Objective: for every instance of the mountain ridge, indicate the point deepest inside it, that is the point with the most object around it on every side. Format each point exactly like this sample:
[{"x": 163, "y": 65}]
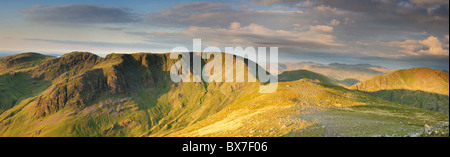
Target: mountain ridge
[
  {"x": 412, "y": 79},
  {"x": 420, "y": 87},
  {"x": 81, "y": 94},
  {"x": 348, "y": 75}
]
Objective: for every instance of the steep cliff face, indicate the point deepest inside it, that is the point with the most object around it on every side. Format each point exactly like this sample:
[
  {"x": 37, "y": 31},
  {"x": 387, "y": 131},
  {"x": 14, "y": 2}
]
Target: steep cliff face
[
  {"x": 67, "y": 65},
  {"x": 83, "y": 77},
  {"x": 74, "y": 92},
  {"x": 83, "y": 83}
]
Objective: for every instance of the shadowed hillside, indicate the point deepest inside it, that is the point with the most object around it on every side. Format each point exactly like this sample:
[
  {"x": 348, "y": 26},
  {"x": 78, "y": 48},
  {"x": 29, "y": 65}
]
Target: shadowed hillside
[{"x": 420, "y": 99}]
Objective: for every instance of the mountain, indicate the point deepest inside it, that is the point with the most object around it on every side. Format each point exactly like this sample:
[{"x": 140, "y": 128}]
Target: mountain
[
  {"x": 295, "y": 75},
  {"x": 82, "y": 94},
  {"x": 15, "y": 84},
  {"x": 420, "y": 87},
  {"x": 311, "y": 108},
  {"x": 347, "y": 75},
  {"x": 85, "y": 93},
  {"x": 21, "y": 61}
]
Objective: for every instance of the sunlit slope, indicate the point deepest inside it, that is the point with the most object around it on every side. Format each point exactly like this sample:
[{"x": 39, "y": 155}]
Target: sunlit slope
[
  {"x": 311, "y": 108},
  {"x": 81, "y": 94},
  {"x": 21, "y": 61},
  {"x": 16, "y": 81},
  {"x": 120, "y": 95},
  {"x": 420, "y": 87}
]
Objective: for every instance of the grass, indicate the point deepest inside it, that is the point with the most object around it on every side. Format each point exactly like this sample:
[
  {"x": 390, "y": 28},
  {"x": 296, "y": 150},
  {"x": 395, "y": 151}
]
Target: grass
[
  {"x": 149, "y": 104},
  {"x": 17, "y": 86}
]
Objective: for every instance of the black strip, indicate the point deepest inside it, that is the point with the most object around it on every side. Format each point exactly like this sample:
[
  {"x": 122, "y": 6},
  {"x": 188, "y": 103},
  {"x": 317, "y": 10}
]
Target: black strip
[{"x": 277, "y": 145}]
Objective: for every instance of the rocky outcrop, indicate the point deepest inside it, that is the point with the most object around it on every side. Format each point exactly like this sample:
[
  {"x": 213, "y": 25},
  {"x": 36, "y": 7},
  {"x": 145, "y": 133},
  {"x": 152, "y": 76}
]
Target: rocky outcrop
[
  {"x": 71, "y": 64},
  {"x": 85, "y": 77}
]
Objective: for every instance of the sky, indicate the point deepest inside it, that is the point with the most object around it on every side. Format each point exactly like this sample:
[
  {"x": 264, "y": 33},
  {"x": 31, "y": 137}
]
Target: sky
[{"x": 391, "y": 33}]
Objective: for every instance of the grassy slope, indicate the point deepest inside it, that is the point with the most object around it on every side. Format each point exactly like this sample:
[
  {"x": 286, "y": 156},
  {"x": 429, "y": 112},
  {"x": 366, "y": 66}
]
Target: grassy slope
[
  {"x": 16, "y": 81},
  {"x": 195, "y": 109},
  {"x": 21, "y": 62},
  {"x": 420, "y": 87},
  {"x": 308, "y": 108},
  {"x": 289, "y": 76},
  {"x": 423, "y": 79},
  {"x": 139, "y": 111}
]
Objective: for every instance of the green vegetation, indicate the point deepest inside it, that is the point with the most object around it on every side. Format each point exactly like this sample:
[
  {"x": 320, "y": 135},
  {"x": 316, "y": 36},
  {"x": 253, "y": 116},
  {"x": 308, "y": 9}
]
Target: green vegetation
[
  {"x": 16, "y": 86},
  {"x": 289, "y": 76},
  {"x": 81, "y": 94},
  {"x": 420, "y": 87},
  {"x": 21, "y": 61},
  {"x": 348, "y": 75}
]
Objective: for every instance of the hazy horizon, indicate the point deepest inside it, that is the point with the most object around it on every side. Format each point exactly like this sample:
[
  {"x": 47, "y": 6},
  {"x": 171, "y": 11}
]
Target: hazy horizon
[
  {"x": 397, "y": 34},
  {"x": 385, "y": 65}
]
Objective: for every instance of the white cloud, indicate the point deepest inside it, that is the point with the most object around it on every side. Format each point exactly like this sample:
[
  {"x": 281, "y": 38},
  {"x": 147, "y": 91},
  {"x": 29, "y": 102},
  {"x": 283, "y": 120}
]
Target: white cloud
[
  {"x": 429, "y": 46},
  {"x": 255, "y": 35},
  {"x": 324, "y": 8},
  {"x": 322, "y": 28}
]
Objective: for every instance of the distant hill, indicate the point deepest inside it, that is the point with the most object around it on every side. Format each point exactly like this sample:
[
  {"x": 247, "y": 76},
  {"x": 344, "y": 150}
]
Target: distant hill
[
  {"x": 21, "y": 61},
  {"x": 420, "y": 87},
  {"x": 348, "y": 75},
  {"x": 289, "y": 76}
]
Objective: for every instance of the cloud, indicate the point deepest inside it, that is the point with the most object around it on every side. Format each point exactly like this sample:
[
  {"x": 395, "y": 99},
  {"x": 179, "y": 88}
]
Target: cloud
[
  {"x": 272, "y": 2},
  {"x": 196, "y": 7},
  {"x": 418, "y": 15},
  {"x": 430, "y": 3},
  {"x": 253, "y": 35},
  {"x": 36, "y": 6},
  {"x": 349, "y": 21},
  {"x": 335, "y": 22},
  {"x": 80, "y": 14},
  {"x": 324, "y": 8},
  {"x": 429, "y": 46},
  {"x": 322, "y": 28},
  {"x": 359, "y": 5},
  {"x": 90, "y": 43},
  {"x": 112, "y": 28},
  {"x": 406, "y": 62},
  {"x": 235, "y": 25},
  {"x": 349, "y": 27},
  {"x": 208, "y": 14}
]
